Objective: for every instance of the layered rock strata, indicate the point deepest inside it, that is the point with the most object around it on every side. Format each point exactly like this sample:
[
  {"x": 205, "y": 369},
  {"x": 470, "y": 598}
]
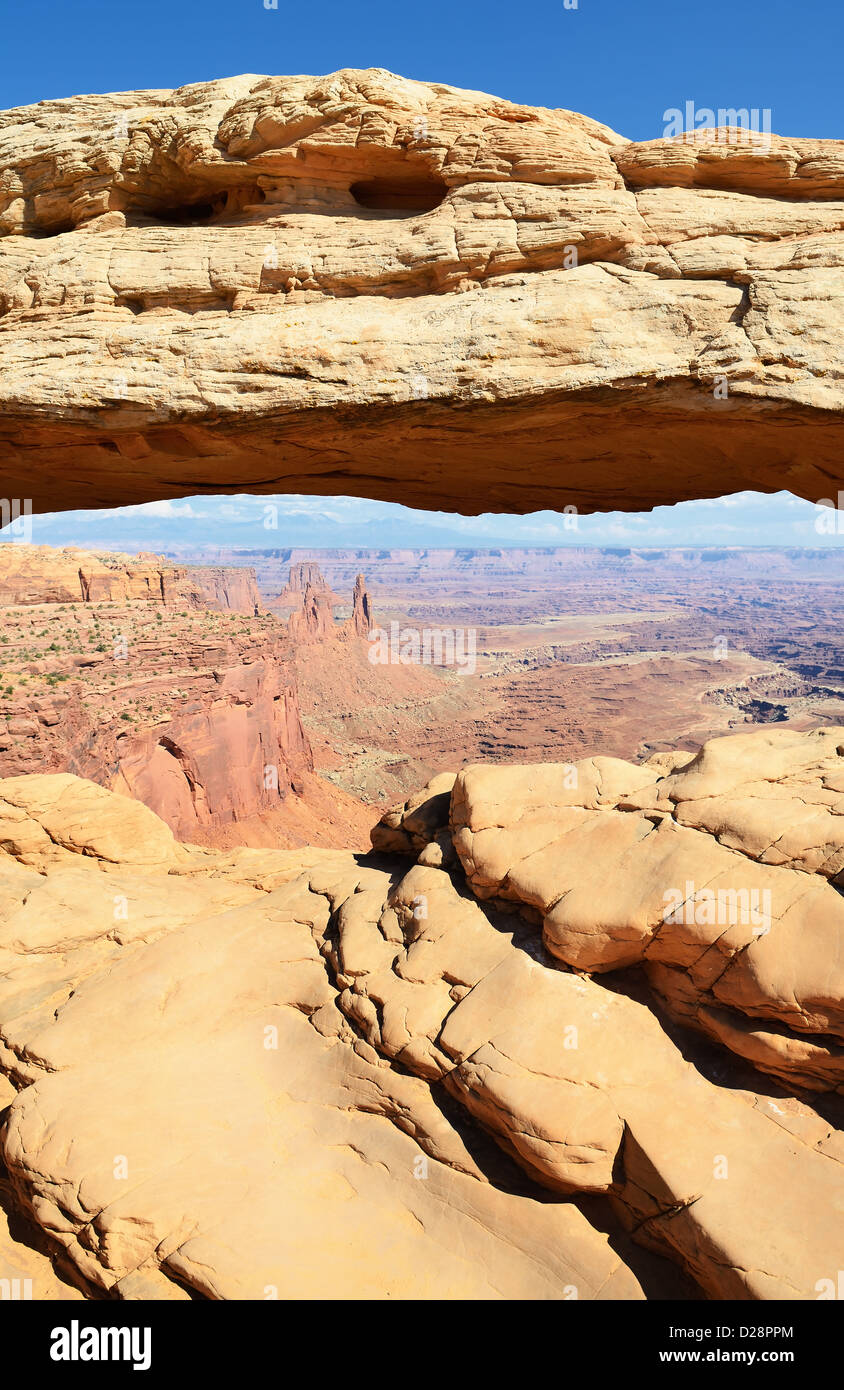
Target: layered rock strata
[{"x": 31, "y": 574}]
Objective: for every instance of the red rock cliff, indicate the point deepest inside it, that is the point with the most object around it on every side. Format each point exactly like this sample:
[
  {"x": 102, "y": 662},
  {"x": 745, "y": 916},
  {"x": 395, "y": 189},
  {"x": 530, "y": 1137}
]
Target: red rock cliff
[
  {"x": 314, "y": 622},
  {"x": 40, "y": 574},
  {"x": 239, "y": 749}
]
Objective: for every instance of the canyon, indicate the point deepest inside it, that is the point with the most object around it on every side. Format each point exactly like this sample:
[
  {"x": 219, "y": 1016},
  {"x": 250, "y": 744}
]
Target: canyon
[
  {"x": 578, "y": 652},
  {"x": 326, "y": 977},
  {"x": 169, "y": 684},
  {"x": 576, "y": 958}
]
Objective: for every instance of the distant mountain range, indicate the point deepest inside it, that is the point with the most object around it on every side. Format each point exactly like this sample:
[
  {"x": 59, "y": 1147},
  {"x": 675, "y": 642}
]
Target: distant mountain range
[
  {"x": 515, "y": 566},
  {"x": 206, "y": 525}
]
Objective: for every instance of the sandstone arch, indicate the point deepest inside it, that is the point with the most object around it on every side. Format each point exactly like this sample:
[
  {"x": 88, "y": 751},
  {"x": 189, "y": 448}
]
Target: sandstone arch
[
  {"x": 556, "y": 326},
  {"x": 193, "y": 298}
]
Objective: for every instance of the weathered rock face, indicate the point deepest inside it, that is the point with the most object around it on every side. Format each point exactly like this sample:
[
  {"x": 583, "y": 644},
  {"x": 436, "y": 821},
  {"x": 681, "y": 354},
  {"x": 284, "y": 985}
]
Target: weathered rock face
[
  {"x": 230, "y": 990},
  {"x": 148, "y": 683},
  {"x": 230, "y": 588},
  {"x": 338, "y": 1002},
  {"x": 720, "y": 873},
  {"x": 234, "y": 755},
  {"x": 206, "y": 736},
  {"x": 41, "y": 574},
  {"x": 306, "y": 573},
  {"x": 314, "y": 620},
  {"x": 305, "y": 576},
  {"x": 367, "y": 285}
]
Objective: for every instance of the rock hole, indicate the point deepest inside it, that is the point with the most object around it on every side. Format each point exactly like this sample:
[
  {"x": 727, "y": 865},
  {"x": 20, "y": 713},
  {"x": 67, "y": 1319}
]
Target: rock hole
[
  {"x": 54, "y": 229},
  {"x": 403, "y": 196},
  {"x": 209, "y": 207},
  {"x": 184, "y": 215}
]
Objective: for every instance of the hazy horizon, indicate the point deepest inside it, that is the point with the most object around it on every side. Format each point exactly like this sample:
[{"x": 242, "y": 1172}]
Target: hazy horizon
[{"x": 290, "y": 521}]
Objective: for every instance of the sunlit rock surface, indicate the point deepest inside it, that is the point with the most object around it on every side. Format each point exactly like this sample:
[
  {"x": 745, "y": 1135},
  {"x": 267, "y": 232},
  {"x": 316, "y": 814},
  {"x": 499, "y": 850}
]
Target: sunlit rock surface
[{"x": 367, "y": 285}]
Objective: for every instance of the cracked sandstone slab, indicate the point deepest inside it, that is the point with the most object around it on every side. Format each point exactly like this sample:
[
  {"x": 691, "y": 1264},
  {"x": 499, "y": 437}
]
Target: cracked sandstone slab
[
  {"x": 245, "y": 1160},
  {"x": 248, "y": 1166},
  {"x": 744, "y": 841}
]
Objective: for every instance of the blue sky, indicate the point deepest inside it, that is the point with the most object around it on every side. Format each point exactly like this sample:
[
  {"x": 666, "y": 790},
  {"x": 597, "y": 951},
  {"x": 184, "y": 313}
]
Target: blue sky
[{"x": 622, "y": 62}]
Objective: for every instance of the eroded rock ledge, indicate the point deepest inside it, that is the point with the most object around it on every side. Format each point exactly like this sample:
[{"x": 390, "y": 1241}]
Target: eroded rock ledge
[
  {"x": 238, "y": 1080},
  {"x": 367, "y": 285}
]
